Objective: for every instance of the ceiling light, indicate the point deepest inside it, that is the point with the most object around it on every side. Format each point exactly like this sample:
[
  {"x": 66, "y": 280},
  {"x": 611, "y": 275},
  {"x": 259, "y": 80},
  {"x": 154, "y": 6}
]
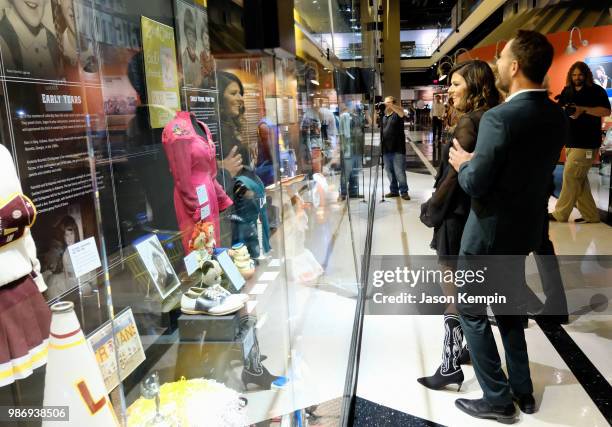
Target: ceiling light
[
  {"x": 461, "y": 50},
  {"x": 497, "y": 52},
  {"x": 570, "y": 49},
  {"x": 442, "y": 77},
  {"x": 314, "y": 82}
]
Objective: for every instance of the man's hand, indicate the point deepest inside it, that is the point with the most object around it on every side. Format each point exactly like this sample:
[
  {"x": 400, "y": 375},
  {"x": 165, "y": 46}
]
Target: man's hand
[
  {"x": 394, "y": 108},
  {"x": 458, "y": 156},
  {"x": 579, "y": 111},
  {"x": 233, "y": 162}
]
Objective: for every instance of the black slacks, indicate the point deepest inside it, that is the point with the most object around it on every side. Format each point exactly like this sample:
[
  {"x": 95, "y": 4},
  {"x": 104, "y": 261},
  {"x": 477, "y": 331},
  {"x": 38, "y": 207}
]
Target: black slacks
[
  {"x": 497, "y": 389},
  {"x": 436, "y": 125},
  {"x": 552, "y": 284}
]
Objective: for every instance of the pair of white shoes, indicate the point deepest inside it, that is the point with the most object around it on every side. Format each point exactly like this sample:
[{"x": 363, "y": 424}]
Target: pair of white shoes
[{"x": 214, "y": 301}]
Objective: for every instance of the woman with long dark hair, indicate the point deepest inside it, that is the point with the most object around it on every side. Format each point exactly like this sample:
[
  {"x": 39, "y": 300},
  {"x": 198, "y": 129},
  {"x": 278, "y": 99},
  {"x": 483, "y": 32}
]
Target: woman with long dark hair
[
  {"x": 472, "y": 90},
  {"x": 248, "y": 192},
  {"x": 244, "y": 186}
]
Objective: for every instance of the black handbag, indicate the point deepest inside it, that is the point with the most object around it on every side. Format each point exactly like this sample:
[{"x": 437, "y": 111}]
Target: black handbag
[{"x": 430, "y": 216}]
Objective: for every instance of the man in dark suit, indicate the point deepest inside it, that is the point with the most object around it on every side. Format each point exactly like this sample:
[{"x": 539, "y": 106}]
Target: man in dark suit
[{"x": 508, "y": 178}]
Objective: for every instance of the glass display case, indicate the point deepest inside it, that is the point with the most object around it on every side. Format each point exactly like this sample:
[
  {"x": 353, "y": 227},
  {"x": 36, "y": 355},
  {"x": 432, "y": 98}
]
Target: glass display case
[{"x": 200, "y": 216}]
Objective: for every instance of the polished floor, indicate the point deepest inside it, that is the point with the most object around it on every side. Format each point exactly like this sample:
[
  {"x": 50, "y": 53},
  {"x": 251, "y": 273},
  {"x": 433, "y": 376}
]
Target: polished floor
[
  {"x": 305, "y": 329},
  {"x": 396, "y": 350}
]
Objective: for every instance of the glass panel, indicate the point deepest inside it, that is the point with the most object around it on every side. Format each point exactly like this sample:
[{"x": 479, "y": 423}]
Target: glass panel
[{"x": 192, "y": 220}]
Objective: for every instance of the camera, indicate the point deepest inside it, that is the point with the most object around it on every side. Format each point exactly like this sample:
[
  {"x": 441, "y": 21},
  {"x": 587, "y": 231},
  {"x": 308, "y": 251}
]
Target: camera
[
  {"x": 381, "y": 107},
  {"x": 568, "y": 106},
  {"x": 570, "y": 109}
]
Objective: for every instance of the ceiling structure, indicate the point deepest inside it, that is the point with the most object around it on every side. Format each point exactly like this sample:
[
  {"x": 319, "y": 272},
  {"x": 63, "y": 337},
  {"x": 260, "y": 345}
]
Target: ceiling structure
[
  {"x": 424, "y": 14},
  {"x": 315, "y": 13}
]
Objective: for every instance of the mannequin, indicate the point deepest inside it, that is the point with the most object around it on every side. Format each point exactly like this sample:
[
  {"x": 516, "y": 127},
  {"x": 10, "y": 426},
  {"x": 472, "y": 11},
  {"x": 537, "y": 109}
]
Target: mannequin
[
  {"x": 192, "y": 159},
  {"x": 24, "y": 315}
]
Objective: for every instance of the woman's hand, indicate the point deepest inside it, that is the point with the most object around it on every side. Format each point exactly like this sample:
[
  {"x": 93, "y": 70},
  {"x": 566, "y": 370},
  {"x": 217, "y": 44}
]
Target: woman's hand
[{"x": 233, "y": 162}]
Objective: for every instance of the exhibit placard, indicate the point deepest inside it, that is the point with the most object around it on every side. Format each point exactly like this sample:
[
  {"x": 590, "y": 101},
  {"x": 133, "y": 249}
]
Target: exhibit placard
[{"x": 161, "y": 72}]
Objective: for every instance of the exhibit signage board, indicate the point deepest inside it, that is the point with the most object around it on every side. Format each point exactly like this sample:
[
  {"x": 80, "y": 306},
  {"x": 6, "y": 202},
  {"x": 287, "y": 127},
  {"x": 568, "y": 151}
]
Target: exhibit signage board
[
  {"x": 50, "y": 113},
  {"x": 198, "y": 67}
]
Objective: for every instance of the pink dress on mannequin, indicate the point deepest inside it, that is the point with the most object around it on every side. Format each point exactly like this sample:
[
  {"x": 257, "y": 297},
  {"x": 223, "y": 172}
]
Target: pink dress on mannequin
[{"x": 193, "y": 164}]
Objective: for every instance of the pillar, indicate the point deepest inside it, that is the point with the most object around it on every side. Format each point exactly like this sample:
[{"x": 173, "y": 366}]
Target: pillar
[{"x": 392, "y": 81}]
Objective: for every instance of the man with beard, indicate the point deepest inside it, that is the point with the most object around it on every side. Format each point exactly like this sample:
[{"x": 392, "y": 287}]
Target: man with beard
[
  {"x": 508, "y": 177},
  {"x": 586, "y": 103}
]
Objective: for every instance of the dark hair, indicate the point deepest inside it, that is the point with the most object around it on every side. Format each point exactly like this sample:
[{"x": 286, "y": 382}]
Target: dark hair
[
  {"x": 61, "y": 24},
  {"x": 584, "y": 69},
  {"x": 534, "y": 54},
  {"x": 66, "y": 223},
  {"x": 481, "y": 90},
  {"x": 188, "y": 20},
  {"x": 224, "y": 79}
]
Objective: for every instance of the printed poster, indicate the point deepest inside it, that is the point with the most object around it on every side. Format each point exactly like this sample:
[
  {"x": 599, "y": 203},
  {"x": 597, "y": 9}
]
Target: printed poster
[
  {"x": 131, "y": 353},
  {"x": 198, "y": 65},
  {"x": 160, "y": 71}
]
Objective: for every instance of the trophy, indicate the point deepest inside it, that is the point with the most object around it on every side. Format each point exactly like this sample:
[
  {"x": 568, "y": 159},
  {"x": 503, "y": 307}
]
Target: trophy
[{"x": 150, "y": 390}]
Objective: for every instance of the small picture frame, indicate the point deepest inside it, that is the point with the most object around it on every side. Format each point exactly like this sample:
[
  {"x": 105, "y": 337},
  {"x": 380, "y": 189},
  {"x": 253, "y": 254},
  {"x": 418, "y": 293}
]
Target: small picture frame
[{"x": 158, "y": 265}]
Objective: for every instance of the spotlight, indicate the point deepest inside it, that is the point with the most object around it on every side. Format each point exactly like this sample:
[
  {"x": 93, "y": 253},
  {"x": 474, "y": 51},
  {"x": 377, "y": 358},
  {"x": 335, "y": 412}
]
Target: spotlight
[
  {"x": 496, "y": 56},
  {"x": 570, "y": 49}
]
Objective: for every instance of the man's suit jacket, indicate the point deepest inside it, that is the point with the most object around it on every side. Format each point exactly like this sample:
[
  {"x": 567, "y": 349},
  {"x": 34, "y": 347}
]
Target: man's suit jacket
[{"x": 508, "y": 178}]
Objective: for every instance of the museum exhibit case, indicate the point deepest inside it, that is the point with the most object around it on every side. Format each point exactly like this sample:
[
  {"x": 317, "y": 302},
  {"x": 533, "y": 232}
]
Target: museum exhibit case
[{"x": 184, "y": 220}]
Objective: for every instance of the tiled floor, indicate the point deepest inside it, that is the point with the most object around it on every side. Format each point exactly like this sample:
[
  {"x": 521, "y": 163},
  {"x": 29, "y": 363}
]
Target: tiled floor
[{"x": 398, "y": 349}]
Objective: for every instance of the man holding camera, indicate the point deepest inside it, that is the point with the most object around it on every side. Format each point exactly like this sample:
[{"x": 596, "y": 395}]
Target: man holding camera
[
  {"x": 585, "y": 103},
  {"x": 393, "y": 144}
]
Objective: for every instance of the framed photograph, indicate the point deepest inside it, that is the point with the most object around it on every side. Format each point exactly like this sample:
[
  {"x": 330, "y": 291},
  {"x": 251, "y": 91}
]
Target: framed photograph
[
  {"x": 194, "y": 46},
  {"x": 601, "y": 67},
  {"x": 158, "y": 265}
]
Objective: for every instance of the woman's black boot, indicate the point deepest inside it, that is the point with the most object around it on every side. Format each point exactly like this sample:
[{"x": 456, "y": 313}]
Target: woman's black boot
[{"x": 449, "y": 372}]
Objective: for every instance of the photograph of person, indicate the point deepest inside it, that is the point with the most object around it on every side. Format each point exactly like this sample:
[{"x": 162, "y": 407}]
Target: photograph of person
[
  {"x": 207, "y": 62},
  {"x": 601, "y": 77},
  {"x": 65, "y": 28},
  {"x": 28, "y": 47},
  {"x": 188, "y": 38},
  {"x": 158, "y": 265},
  {"x": 57, "y": 265}
]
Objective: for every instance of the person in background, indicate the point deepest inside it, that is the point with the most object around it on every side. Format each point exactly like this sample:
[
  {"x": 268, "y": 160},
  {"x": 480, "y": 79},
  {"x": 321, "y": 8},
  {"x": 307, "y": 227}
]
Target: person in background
[
  {"x": 329, "y": 132},
  {"x": 585, "y": 103},
  {"x": 312, "y": 141},
  {"x": 437, "y": 119},
  {"x": 393, "y": 143}
]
